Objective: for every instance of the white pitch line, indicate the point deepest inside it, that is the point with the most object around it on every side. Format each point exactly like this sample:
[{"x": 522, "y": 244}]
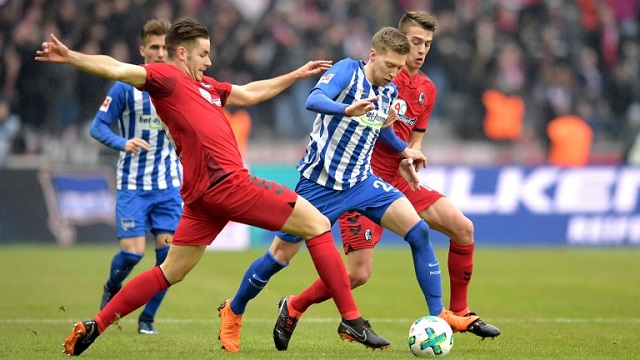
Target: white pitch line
[{"x": 332, "y": 320}]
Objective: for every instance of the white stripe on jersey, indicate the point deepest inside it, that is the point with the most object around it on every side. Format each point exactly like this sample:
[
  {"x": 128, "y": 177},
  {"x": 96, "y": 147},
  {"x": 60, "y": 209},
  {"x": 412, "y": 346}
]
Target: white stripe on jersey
[
  {"x": 339, "y": 151},
  {"x": 158, "y": 167}
]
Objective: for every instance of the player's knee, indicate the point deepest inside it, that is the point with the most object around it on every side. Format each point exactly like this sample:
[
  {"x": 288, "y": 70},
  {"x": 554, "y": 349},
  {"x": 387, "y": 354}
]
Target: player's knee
[
  {"x": 318, "y": 225},
  {"x": 418, "y": 235},
  {"x": 463, "y": 232},
  {"x": 358, "y": 278}
]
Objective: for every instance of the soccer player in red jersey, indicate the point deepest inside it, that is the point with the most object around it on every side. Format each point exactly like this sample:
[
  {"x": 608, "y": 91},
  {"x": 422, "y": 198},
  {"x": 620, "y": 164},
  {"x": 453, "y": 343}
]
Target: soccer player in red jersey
[
  {"x": 416, "y": 99},
  {"x": 216, "y": 187}
]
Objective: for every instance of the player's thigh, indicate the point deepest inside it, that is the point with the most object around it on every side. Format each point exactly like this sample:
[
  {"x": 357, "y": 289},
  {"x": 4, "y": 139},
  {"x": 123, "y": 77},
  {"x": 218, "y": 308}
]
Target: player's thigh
[
  {"x": 251, "y": 200},
  {"x": 420, "y": 199},
  {"x": 316, "y": 209},
  {"x": 180, "y": 261},
  {"x": 306, "y": 221},
  {"x": 400, "y": 217},
  {"x": 445, "y": 217},
  {"x": 131, "y": 214},
  {"x": 358, "y": 231},
  {"x": 199, "y": 225}
]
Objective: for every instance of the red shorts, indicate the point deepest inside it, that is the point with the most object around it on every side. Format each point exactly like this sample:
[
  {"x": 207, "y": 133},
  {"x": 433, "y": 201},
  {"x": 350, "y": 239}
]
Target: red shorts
[
  {"x": 358, "y": 232},
  {"x": 241, "y": 197}
]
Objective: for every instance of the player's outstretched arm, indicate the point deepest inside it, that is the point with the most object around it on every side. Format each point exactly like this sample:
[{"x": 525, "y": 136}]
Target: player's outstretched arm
[
  {"x": 258, "y": 91},
  {"x": 100, "y": 65}
]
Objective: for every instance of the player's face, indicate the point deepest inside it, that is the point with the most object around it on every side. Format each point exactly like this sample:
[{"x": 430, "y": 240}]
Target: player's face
[
  {"x": 198, "y": 60},
  {"x": 154, "y": 50},
  {"x": 420, "y": 40},
  {"x": 385, "y": 66}
]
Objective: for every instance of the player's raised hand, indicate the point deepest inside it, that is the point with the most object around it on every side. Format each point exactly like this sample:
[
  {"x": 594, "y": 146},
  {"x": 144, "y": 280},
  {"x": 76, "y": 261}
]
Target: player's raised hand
[
  {"x": 54, "y": 51},
  {"x": 408, "y": 172},
  {"x": 361, "y": 107},
  {"x": 135, "y": 144},
  {"x": 313, "y": 67}
]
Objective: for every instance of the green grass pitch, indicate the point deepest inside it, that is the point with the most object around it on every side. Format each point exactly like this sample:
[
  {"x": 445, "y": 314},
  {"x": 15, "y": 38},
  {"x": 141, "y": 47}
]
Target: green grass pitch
[{"x": 556, "y": 303}]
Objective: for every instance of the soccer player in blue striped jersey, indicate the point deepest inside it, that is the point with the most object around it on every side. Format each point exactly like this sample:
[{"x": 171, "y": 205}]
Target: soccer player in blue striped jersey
[
  {"x": 353, "y": 101},
  {"x": 148, "y": 174}
]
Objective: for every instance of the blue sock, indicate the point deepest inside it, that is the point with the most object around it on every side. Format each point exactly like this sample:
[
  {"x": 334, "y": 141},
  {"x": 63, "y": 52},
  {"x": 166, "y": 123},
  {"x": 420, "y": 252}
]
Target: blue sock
[
  {"x": 152, "y": 306},
  {"x": 121, "y": 266},
  {"x": 256, "y": 278},
  {"x": 426, "y": 266}
]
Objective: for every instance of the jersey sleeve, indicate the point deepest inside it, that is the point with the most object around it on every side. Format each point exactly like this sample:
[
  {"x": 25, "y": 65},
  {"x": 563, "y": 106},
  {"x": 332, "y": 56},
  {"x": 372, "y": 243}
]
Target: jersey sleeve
[
  {"x": 160, "y": 81},
  {"x": 110, "y": 110},
  {"x": 337, "y": 78}
]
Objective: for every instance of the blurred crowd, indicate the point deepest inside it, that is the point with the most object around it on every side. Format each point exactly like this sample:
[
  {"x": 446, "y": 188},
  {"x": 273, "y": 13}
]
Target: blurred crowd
[{"x": 557, "y": 57}]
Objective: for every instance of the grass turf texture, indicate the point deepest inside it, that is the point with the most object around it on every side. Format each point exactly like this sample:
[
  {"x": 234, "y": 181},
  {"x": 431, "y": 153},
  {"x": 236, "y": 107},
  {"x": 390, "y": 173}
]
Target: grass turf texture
[{"x": 549, "y": 303}]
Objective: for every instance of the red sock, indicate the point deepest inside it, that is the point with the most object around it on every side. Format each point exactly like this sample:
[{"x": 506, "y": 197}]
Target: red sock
[
  {"x": 314, "y": 294},
  {"x": 330, "y": 267},
  {"x": 135, "y": 293},
  {"x": 460, "y": 265}
]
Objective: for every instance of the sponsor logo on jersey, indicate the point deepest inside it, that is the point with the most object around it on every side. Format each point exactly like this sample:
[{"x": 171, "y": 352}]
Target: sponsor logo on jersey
[
  {"x": 105, "y": 104},
  {"x": 401, "y": 108},
  {"x": 150, "y": 122},
  {"x": 207, "y": 96}
]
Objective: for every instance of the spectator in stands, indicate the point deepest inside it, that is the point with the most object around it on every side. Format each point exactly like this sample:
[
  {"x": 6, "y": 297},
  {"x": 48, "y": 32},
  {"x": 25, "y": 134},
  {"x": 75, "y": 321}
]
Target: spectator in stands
[
  {"x": 9, "y": 127},
  {"x": 570, "y": 141}
]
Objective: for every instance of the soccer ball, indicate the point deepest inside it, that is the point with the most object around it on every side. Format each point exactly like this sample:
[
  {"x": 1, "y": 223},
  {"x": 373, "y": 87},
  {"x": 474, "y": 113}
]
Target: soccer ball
[{"x": 430, "y": 336}]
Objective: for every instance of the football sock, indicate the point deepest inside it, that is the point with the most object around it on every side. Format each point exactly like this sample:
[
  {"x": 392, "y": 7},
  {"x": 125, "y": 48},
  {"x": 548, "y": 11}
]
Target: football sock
[
  {"x": 330, "y": 267},
  {"x": 314, "y": 294},
  {"x": 426, "y": 266},
  {"x": 151, "y": 308},
  {"x": 133, "y": 295},
  {"x": 121, "y": 266},
  {"x": 460, "y": 264},
  {"x": 254, "y": 280}
]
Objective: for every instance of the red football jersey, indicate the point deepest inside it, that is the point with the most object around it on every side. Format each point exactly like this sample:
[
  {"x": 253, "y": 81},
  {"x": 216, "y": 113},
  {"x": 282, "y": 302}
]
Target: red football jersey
[
  {"x": 195, "y": 123},
  {"x": 416, "y": 99}
]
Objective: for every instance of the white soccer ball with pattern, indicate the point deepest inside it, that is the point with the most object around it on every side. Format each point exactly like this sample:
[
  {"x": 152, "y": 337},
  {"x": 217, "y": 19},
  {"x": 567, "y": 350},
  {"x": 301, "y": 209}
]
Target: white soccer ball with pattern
[{"x": 430, "y": 336}]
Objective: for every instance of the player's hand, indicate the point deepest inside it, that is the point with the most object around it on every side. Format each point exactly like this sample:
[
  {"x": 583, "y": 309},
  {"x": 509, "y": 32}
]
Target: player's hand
[
  {"x": 135, "y": 144},
  {"x": 418, "y": 158},
  {"x": 54, "y": 51},
  {"x": 408, "y": 172},
  {"x": 312, "y": 68},
  {"x": 392, "y": 116},
  {"x": 361, "y": 107}
]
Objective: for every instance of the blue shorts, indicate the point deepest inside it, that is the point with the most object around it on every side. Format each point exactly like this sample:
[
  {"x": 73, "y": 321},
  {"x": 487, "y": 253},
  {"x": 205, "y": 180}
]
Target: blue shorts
[
  {"x": 141, "y": 211},
  {"x": 371, "y": 197}
]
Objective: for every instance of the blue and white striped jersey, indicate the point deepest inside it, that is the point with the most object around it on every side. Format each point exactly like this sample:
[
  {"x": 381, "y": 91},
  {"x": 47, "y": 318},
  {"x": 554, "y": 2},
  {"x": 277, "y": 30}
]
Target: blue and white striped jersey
[
  {"x": 339, "y": 151},
  {"x": 157, "y": 168}
]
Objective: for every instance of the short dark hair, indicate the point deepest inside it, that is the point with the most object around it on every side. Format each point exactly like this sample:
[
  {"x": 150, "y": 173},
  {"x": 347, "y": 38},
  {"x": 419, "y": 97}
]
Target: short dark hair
[
  {"x": 156, "y": 27},
  {"x": 419, "y": 18},
  {"x": 184, "y": 32},
  {"x": 390, "y": 38}
]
